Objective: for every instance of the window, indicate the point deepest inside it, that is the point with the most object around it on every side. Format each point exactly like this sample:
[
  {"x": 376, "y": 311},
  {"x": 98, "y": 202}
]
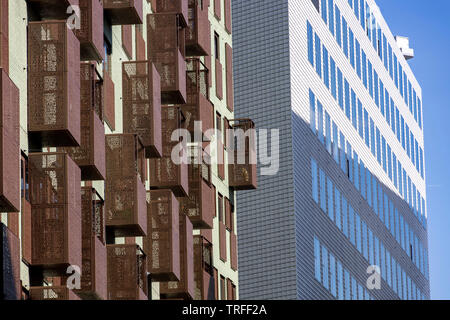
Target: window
[
  {"x": 310, "y": 44},
  {"x": 315, "y": 186},
  {"x": 323, "y": 8},
  {"x": 345, "y": 36},
  {"x": 331, "y": 16},
  {"x": 323, "y": 200},
  {"x": 354, "y": 117},
  {"x": 372, "y": 137},
  {"x": 345, "y": 216},
  {"x": 352, "y": 48},
  {"x": 220, "y": 209},
  {"x": 364, "y": 240},
  {"x": 340, "y": 281},
  {"x": 340, "y": 89},
  {"x": 333, "y": 77},
  {"x": 320, "y": 121},
  {"x": 337, "y": 196},
  {"x": 351, "y": 219},
  {"x": 338, "y": 26},
  {"x": 317, "y": 260},
  {"x": 347, "y": 286},
  {"x": 370, "y": 78},
  {"x": 364, "y": 68},
  {"x": 358, "y": 58},
  {"x": 216, "y": 46},
  {"x": 366, "y": 127},
  {"x": 107, "y": 64},
  {"x": 347, "y": 100},
  {"x": 361, "y": 124},
  {"x": 333, "y": 275},
  {"x": 376, "y": 92},
  {"x": 371, "y": 249},
  {"x": 358, "y": 232},
  {"x": 24, "y": 178},
  {"x": 325, "y": 274},
  {"x": 326, "y": 75},
  {"x": 328, "y": 132},
  {"x": 318, "y": 56},
  {"x": 330, "y": 200},
  {"x": 312, "y": 111}
]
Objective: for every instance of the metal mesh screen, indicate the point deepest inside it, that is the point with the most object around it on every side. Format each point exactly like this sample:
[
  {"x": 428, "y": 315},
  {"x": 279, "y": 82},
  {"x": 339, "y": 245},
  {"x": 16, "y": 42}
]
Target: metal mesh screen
[
  {"x": 90, "y": 32},
  {"x": 203, "y": 269},
  {"x": 198, "y": 33},
  {"x": 142, "y": 104}
]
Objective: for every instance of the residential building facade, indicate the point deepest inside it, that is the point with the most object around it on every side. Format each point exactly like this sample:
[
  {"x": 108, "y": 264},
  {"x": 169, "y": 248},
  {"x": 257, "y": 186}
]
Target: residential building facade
[
  {"x": 94, "y": 206},
  {"x": 349, "y": 200}
]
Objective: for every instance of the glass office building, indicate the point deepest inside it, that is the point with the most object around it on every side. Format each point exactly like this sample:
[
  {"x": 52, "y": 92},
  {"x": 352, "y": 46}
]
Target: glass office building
[{"x": 350, "y": 192}]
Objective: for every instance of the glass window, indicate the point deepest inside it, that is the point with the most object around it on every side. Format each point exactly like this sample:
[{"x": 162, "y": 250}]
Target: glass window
[
  {"x": 366, "y": 127},
  {"x": 358, "y": 58},
  {"x": 383, "y": 146},
  {"x": 345, "y": 36},
  {"x": 351, "y": 219},
  {"x": 315, "y": 185},
  {"x": 358, "y": 233},
  {"x": 333, "y": 77},
  {"x": 331, "y": 16},
  {"x": 362, "y": 14},
  {"x": 383, "y": 262},
  {"x": 347, "y": 99},
  {"x": 375, "y": 195},
  {"x": 330, "y": 200},
  {"x": 335, "y": 143},
  {"x": 323, "y": 199},
  {"x": 354, "y": 118},
  {"x": 362, "y": 173},
  {"x": 323, "y": 9},
  {"x": 389, "y": 161},
  {"x": 371, "y": 249},
  {"x": 347, "y": 286},
  {"x": 318, "y": 56},
  {"x": 312, "y": 111},
  {"x": 352, "y": 47},
  {"x": 388, "y": 269},
  {"x": 369, "y": 187},
  {"x": 377, "y": 251},
  {"x": 338, "y": 26},
  {"x": 372, "y": 137},
  {"x": 340, "y": 89},
  {"x": 340, "y": 277},
  {"x": 310, "y": 44},
  {"x": 394, "y": 169},
  {"x": 364, "y": 68},
  {"x": 325, "y": 274},
  {"x": 376, "y": 92},
  {"x": 369, "y": 67},
  {"x": 320, "y": 121},
  {"x": 378, "y": 146},
  {"x": 361, "y": 124},
  {"x": 326, "y": 75},
  {"x": 317, "y": 260},
  {"x": 345, "y": 216},
  {"x": 364, "y": 240},
  {"x": 337, "y": 196},
  {"x": 356, "y": 170},
  {"x": 328, "y": 132},
  {"x": 333, "y": 276},
  {"x": 394, "y": 275},
  {"x": 354, "y": 289},
  {"x": 360, "y": 292}
]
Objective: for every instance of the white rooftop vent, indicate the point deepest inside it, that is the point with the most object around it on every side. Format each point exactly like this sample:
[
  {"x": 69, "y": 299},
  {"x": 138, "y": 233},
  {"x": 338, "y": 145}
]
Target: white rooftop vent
[{"x": 403, "y": 44}]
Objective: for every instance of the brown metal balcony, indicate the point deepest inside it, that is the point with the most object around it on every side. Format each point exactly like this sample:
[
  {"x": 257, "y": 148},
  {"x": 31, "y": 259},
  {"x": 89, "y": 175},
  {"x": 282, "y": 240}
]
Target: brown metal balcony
[
  {"x": 93, "y": 272},
  {"x": 179, "y": 7},
  {"x": 52, "y": 293},
  {"x": 90, "y": 155},
  {"x": 199, "y": 204},
  {"x": 198, "y": 107},
  {"x": 126, "y": 205},
  {"x": 127, "y": 272},
  {"x": 9, "y": 134},
  {"x": 162, "y": 244},
  {"x": 141, "y": 85},
  {"x": 166, "y": 50},
  {"x": 90, "y": 33},
  {"x": 198, "y": 34},
  {"x": 203, "y": 269},
  {"x": 184, "y": 288},
  {"x": 53, "y": 85},
  {"x": 52, "y": 9},
  {"x": 123, "y": 11},
  {"x": 242, "y": 163},
  {"x": 55, "y": 211},
  {"x": 165, "y": 174},
  {"x": 10, "y": 288}
]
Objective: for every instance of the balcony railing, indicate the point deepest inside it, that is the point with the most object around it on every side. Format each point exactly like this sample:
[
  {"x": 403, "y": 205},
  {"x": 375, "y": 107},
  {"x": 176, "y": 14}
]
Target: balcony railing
[
  {"x": 162, "y": 244},
  {"x": 141, "y": 85},
  {"x": 93, "y": 275},
  {"x": 179, "y": 7},
  {"x": 165, "y": 173},
  {"x": 199, "y": 204},
  {"x": 166, "y": 50},
  {"x": 90, "y": 33},
  {"x": 55, "y": 211},
  {"x": 53, "y": 85},
  {"x": 9, "y": 134},
  {"x": 52, "y": 293},
  {"x": 126, "y": 206},
  {"x": 184, "y": 288},
  {"x": 52, "y": 9},
  {"x": 198, "y": 107},
  {"x": 198, "y": 34},
  {"x": 123, "y": 11},
  {"x": 127, "y": 272},
  {"x": 203, "y": 269},
  {"x": 90, "y": 155},
  {"x": 242, "y": 163},
  {"x": 10, "y": 288}
]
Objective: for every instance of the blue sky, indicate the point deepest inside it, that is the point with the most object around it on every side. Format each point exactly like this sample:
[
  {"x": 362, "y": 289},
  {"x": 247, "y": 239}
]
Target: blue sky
[{"x": 427, "y": 24}]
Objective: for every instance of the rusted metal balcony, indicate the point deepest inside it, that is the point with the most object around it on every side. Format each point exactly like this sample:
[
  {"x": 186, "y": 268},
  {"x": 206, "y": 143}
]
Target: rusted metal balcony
[
  {"x": 53, "y": 85},
  {"x": 199, "y": 204},
  {"x": 165, "y": 173},
  {"x": 52, "y": 293},
  {"x": 127, "y": 272},
  {"x": 162, "y": 243},
  {"x": 9, "y": 135},
  {"x": 242, "y": 157},
  {"x": 90, "y": 155},
  {"x": 198, "y": 107},
  {"x": 203, "y": 269},
  {"x": 121, "y": 12},
  {"x": 10, "y": 288},
  {"x": 184, "y": 288},
  {"x": 166, "y": 49},
  {"x": 179, "y": 7},
  {"x": 141, "y": 85},
  {"x": 52, "y": 9},
  {"x": 55, "y": 211},
  {"x": 93, "y": 273},
  {"x": 90, "y": 33},
  {"x": 198, "y": 34},
  {"x": 126, "y": 205}
]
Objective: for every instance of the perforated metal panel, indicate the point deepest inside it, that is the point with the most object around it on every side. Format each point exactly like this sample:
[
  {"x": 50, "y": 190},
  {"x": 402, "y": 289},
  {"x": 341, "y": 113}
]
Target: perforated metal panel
[
  {"x": 184, "y": 288},
  {"x": 198, "y": 33},
  {"x": 162, "y": 244},
  {"x": 173, "y": 6},
  {"x": 9, "y": 145},
  {"x": 10, "y": 288},
  {"x": 124, "y": 11},
  {"x": 125, "y": 199},
  {"x": 90, "y": 32},
  {"x": 55, "y": 210},
  {"x": 127, "y": 272},
  {"x": 165, "y": 173},
  {"x": 242, "y": 176},
  {"x": 90, "y": 155},
  {"x": 198, "y": 107},
  {"x": 199, "y": 205},
  {"x": 142, "y": 104},
  {"x": 53, "y": 84},
  {"x": 93, "y": 277},
  {"x": 166, "y": 50},
  {"x": 203, "y": 269},
  {"x": 52, "y": 293}
]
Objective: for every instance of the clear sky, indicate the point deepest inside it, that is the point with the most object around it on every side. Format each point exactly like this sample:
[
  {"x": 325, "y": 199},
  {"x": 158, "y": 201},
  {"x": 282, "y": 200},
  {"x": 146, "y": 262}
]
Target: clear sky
[{"x": 427, "y": 24}]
